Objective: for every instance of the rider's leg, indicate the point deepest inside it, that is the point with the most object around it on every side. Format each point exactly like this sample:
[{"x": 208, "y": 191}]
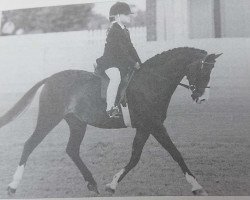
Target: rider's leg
[{"x": 115, "y": 79}]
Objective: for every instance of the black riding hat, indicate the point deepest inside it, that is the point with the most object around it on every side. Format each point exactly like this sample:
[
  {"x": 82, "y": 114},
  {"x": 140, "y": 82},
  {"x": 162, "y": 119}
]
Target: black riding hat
[{"x": 120, "y": 8}]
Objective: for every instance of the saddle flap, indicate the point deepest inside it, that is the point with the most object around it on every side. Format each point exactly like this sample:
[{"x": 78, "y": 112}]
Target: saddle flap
[{"x": 104, "y": 82}]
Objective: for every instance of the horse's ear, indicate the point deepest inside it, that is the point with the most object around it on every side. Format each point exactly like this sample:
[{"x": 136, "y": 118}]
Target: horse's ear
[
  {"x": 212, "y": 57},
  {"x": 209, "y": 57},
  {"x": 217, "y": 55}
]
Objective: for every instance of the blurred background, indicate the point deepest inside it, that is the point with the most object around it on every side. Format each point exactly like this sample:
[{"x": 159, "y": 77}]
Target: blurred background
[
  {"x": 164, "y": 19},
  {"x": 65, "y": 18}
]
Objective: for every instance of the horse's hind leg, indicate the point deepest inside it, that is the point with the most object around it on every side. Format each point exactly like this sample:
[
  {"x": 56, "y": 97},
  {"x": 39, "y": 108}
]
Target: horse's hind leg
[
  {"x": 163, "y": 138},
  {"x": 77, "y": 132},
  {"x": 41, "y": 131},
  {"x": 48, "y": 118},
  {"x": 138, "y": 144}
]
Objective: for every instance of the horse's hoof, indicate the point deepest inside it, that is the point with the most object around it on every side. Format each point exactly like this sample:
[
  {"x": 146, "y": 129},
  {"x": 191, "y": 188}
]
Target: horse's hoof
[
  {"x": 109, "y": 189},
  {"x": 200, "y": 192},
  {"x": 11, "y": 191},
  {"x": 93, "y": 188}
]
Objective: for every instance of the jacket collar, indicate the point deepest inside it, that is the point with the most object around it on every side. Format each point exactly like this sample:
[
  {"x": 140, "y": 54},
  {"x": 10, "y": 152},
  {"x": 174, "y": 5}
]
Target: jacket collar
[
  {"x": 117, "y": 24},
  {"x": 124, "y": 31}
]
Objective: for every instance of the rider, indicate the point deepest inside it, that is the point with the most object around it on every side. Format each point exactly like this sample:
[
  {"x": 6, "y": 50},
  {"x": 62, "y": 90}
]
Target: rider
[{"x": 119, "y": 54}]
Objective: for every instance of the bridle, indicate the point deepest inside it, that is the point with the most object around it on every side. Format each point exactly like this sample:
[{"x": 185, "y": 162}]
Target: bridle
[{"x": 193, "y": 87}]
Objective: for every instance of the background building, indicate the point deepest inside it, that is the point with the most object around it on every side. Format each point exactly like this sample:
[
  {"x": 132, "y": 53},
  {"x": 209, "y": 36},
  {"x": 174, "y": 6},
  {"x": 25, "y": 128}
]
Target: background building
[{"x": 183, "y": 19}]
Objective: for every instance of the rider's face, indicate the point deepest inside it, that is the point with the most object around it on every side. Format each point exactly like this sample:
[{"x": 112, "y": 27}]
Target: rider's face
[{"x": 125, "y": 19}]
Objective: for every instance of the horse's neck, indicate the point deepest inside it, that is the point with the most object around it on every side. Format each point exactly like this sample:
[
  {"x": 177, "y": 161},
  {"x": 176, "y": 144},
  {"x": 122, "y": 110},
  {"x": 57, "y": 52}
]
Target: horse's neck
[
  {"x": 165, "y": 79},
  {"x": 162, "y": 79},
  {"x": 171, "y": 74}
]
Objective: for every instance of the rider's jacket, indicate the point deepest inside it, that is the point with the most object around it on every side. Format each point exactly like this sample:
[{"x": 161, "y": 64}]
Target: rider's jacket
[{"x": 119, "y": 51}]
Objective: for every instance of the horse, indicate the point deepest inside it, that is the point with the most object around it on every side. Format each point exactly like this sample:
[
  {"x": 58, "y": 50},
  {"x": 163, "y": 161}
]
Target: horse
[{"x": 75, "y": 96}]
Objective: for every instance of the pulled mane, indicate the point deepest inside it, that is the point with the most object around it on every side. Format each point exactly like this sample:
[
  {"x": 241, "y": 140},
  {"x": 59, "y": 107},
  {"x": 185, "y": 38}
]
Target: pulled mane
[{"x": 173, "y": 55}]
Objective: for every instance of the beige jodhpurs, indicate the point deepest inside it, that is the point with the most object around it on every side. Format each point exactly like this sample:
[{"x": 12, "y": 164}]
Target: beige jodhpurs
[{"x": 115, "y": 79}]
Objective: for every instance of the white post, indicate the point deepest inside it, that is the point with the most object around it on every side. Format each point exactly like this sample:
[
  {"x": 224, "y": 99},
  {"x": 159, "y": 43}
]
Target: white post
[
  {"x": 180, "y": 19},
  {"x": 1, "y": 22},
  {"x": 172, "y": 20},
  {"x": 201, "y": 19},
  {"x": 161, "y": 20}
]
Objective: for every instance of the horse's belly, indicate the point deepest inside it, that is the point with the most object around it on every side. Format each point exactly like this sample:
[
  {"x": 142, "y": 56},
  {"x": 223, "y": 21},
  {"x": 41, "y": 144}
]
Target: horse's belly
[{"x": 89, "y": 107}]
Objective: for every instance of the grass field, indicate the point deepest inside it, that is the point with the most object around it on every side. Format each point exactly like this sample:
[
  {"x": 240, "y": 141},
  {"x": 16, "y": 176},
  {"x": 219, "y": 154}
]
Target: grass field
[{"x": 213, "y": 139}]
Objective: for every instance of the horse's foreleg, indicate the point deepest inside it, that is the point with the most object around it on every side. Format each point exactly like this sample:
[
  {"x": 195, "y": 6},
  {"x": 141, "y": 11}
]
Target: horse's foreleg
[
  {"x": 163, "y": 138},
  {"x": 138, "y": 144},
  {"x": 77, "y": 132}
]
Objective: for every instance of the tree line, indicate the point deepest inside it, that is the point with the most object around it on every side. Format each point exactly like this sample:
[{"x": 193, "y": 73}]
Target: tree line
[{"x": 58, "y": 19}]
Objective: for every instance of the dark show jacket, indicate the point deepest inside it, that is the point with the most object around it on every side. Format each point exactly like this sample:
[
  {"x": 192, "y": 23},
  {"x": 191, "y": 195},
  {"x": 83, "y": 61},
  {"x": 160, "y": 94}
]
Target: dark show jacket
[{"x": 119, "y": 51}]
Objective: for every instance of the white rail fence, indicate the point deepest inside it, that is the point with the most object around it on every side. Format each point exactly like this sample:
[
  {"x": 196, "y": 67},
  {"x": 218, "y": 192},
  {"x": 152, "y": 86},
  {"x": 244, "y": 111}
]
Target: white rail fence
[
  {"x": 137, "y": 34},
  {"x": 26, "y": 59}
]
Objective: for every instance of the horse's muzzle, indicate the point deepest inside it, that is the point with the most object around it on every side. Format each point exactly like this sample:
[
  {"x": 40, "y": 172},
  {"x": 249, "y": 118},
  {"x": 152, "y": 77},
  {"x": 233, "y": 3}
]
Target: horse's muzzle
[{"x": 200, "y": 98}]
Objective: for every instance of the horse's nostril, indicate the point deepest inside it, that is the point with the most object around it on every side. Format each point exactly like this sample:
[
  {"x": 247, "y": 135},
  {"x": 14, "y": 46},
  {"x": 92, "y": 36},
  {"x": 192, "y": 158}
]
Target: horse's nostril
[{"x": 194, "y": 96}]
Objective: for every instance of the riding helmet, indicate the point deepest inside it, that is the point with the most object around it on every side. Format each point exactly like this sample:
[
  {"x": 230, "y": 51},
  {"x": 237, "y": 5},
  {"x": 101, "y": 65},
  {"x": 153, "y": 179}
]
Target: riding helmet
[{"x": 120, "y": 8}]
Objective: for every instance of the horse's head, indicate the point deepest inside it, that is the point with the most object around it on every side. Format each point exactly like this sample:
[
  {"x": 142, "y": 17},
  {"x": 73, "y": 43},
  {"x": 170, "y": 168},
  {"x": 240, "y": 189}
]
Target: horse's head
[{"x": 198, "y": 75}]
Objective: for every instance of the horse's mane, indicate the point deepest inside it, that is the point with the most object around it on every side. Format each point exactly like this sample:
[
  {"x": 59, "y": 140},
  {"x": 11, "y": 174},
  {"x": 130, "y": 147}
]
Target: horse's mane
[{"x": 174, "y": 54}]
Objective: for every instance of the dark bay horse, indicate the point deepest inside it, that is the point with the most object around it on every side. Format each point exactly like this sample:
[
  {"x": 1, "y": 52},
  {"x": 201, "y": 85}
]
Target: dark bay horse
[{"x": 75, "y": 96}]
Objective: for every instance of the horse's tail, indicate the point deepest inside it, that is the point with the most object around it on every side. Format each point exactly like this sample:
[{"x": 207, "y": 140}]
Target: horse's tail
[{"x": 19, "y": 107}]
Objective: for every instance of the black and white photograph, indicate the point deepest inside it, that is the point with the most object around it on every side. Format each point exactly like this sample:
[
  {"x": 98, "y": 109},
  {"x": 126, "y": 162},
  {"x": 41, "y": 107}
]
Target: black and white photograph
[{"x": 124, "y": 98}]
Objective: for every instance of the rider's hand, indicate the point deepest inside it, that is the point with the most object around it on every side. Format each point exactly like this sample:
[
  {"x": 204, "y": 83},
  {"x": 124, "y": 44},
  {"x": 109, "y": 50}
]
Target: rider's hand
[{"x": 137, "y": 66}]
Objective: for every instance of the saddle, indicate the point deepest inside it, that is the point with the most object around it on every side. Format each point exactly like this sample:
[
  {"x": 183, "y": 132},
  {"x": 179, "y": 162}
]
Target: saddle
[{"x": 121, "y": 100}]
